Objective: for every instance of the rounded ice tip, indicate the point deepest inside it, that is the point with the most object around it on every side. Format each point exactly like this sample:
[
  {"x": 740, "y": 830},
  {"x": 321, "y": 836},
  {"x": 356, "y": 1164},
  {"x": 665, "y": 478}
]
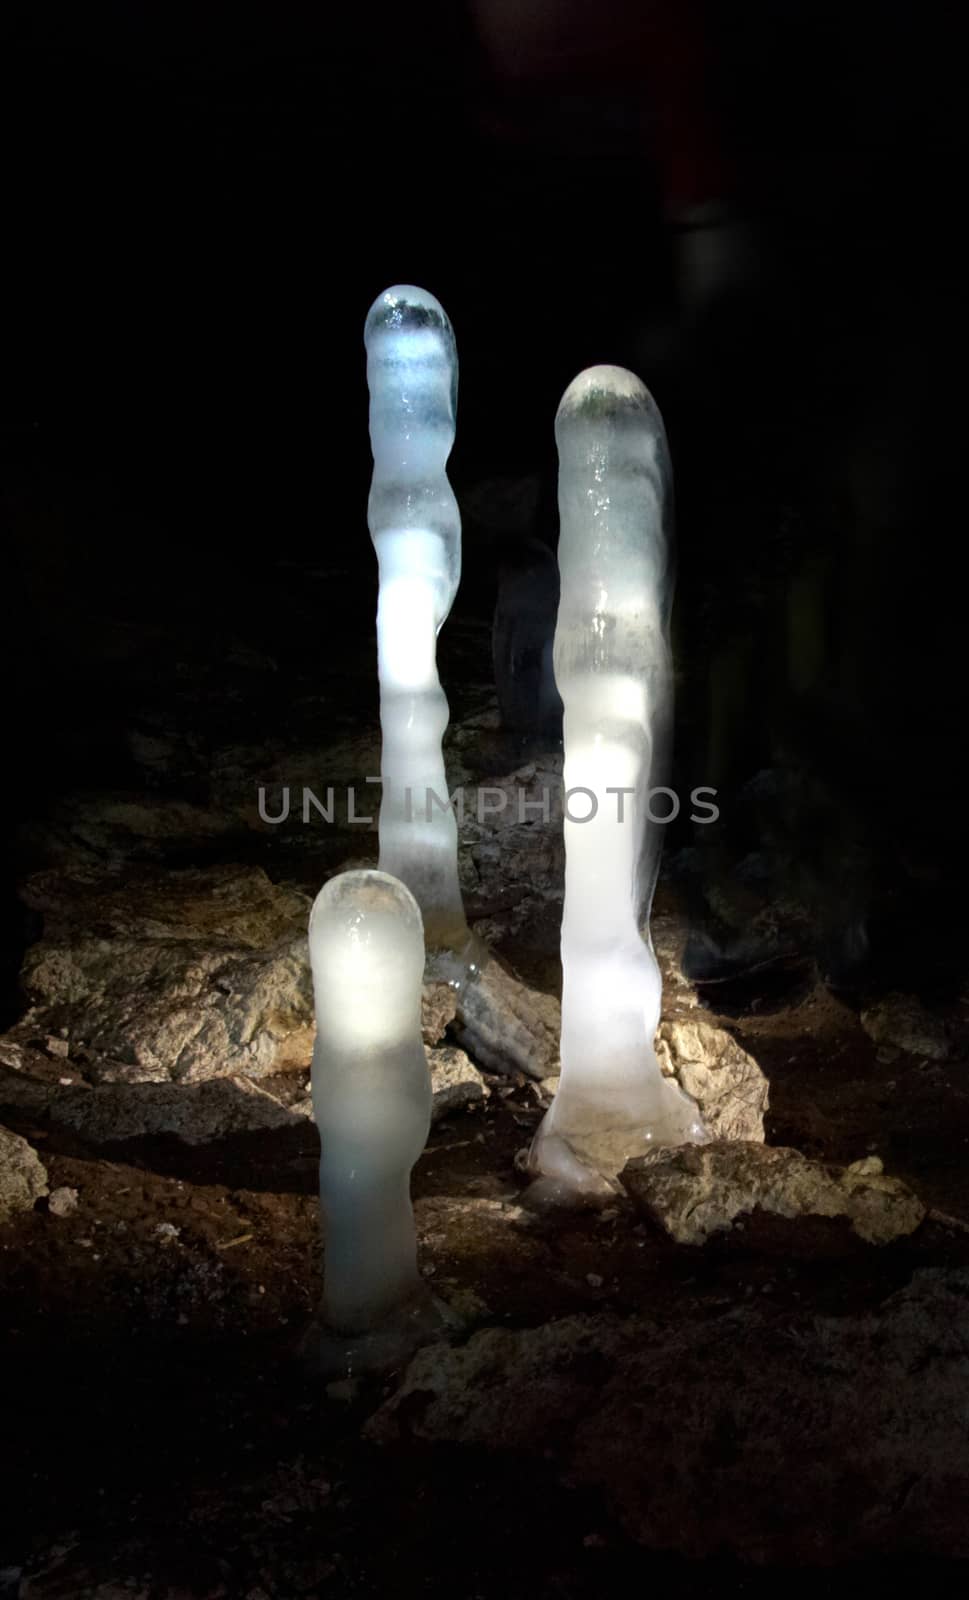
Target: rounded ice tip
[
  {"x": 350, "y": 898},
  {"x": 403, "y": 307},
  {"x": 604, "y": 392}
]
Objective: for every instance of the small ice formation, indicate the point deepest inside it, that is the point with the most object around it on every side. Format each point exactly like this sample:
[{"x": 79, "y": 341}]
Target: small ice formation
[
  {"x": 613, "y": 669},
  {"x": 412, "y": 372},
  {"x": 372, "y": 1103}
]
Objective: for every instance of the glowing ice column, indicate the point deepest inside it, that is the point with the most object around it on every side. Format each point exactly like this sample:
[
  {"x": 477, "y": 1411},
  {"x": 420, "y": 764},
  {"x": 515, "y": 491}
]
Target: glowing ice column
[
  {"x": 371, "y": 1100},
  {"x": 412, "y": 370},
  {"x": 416, "y": 529},
  {"x": 613, "y": 670}
]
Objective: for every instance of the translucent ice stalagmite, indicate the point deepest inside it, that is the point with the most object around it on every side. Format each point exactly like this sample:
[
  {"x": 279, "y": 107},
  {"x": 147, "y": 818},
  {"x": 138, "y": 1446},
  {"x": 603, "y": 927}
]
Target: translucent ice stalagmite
[
  {"x": 372, "y": 1103},
  {"x": 415, "y": 525},
  {"x": 613, "y": 670},
  {"x": 412, "y": 371}
]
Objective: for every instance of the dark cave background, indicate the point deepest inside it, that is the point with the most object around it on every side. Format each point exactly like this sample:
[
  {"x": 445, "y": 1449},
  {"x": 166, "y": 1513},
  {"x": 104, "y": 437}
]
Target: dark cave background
[{"x": 201, "y": 204}]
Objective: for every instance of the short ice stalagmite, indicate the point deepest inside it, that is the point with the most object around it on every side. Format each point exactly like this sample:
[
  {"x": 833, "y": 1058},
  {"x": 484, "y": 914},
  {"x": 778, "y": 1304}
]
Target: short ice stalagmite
[
  {"x": 613, "y": 670},
  {"x": 372, "y": 1103}
]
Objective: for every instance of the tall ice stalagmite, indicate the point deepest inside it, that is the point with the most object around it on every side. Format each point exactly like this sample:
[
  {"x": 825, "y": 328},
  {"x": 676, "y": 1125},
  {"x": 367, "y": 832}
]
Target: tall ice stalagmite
[
  {"x": 613, "y": 671},
  {"x": 412, "y": 372}
]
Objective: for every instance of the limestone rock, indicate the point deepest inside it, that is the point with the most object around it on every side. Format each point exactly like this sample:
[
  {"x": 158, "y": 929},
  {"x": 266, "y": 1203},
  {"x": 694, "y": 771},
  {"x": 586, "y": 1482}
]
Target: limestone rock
[
  {"x": 880, "y": 1208},
  {"x": 196, "y": 1113},
  {"x": 504, "y": 1024},
  {"x": 62, "y": 1202},
  {"x": 455, "y": 1082},
  {"x": 697, "y": 1190},
  {"x": 236, "y": 905},
  {"x": 117, "y": 1109},
  {"x": 27, "y": 1077},
  {"x": 688, "y": 1426},
  {"x": 195, "y": 975},
  {"x": 668, "y": 935},
  {"x": 123, "y": 1105},
  {"x": 23, "y": 1176},
  {"x": 449, "y": 1397},
  {"x": 439, "y": 1004},
  {"x": 715, "y": 1071},
  {"x": 900, "y": 1022},
  {"x": 512, "y": 861}
]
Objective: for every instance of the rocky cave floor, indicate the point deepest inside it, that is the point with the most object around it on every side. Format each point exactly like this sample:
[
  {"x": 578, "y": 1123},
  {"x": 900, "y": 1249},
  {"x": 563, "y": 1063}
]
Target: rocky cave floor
[{"x": 620, "y": 1407}]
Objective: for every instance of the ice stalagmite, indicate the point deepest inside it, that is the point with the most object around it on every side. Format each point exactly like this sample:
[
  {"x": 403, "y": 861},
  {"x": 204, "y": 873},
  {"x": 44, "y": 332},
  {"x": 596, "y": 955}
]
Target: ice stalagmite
[
  {"x": 372, "y": 1103},
  {"x": 613, "y": 670},
  {"x": 412, "y": 371},
  {"x": 416, "y": 529}
]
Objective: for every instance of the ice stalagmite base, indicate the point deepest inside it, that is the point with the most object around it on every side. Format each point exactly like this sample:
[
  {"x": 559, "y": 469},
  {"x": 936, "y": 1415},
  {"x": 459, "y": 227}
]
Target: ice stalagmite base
[
  {"x": 612, "y": 667},
  {"x": 372, "y": 1103},
  {"x": 415, "y": 525}
]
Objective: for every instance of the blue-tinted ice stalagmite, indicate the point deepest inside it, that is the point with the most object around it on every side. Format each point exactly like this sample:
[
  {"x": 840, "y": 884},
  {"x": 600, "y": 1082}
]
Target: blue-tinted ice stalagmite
[
  {"x": 416, "y": 530},
  {"x": 371, "y": 1095},
  {"x": 412, "y": 372},
  {"x": 613, "y": 670}
]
